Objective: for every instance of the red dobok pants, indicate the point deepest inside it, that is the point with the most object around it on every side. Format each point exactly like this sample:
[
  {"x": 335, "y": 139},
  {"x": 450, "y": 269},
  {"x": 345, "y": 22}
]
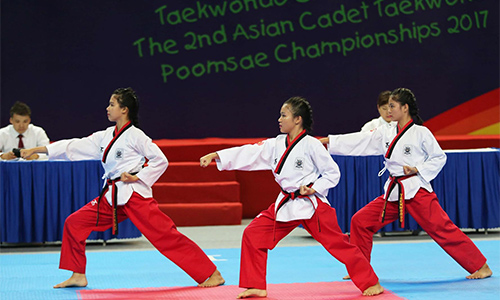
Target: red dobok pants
[
  {"x": 261, "y": 235},
  {"x": 157, "y": 227},
  {"x": 425, "y": 209}
]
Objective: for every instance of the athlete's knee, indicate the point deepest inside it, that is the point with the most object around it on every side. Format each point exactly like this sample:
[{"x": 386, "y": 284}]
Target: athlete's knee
[
  {"x": 70, "y": 220},
  {"x": 75, "y": 220},
  {"x": 248, "y": 233},
  {"x": 251, "y": 238},
  {"x": 356, "y": 221}
]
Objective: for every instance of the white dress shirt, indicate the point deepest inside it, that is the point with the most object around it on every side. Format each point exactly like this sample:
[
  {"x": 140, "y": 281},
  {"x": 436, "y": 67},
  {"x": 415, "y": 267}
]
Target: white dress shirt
[{"x": 34, "y": 136}]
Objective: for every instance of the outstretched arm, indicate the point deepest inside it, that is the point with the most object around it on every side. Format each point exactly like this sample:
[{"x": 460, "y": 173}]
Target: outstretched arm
[
  {"x": 27, "y": 153},
  {"x": 207, "y": 159},
  {"x": 250, "y": 157},
  {"x": 357, "y": 143}
]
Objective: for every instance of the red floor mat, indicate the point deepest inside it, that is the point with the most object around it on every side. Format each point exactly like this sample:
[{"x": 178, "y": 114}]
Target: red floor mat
[{"x": 285, "y": 291}]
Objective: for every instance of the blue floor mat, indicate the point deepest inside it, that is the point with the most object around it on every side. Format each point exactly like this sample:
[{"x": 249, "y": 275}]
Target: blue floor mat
[{"x": 411, "y": 270}]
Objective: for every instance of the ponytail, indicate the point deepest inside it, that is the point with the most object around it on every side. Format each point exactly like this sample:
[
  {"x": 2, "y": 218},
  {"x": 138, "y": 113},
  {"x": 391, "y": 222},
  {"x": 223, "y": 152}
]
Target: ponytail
[
  {"x": 127, "y": 98},
  {"x": 406, "y": 96},
  {"x": 299, "y": 106}
]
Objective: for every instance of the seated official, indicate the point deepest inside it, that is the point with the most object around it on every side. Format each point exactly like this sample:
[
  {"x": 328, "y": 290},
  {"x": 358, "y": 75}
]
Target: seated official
[{"x": 21, "y": 134}]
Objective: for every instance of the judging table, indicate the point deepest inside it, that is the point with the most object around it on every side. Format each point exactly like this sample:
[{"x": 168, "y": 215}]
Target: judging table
[{"x": 37, "y": 196}]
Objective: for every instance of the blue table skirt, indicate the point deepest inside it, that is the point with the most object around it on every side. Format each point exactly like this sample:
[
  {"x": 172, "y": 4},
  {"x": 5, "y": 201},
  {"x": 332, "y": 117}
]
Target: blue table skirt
[
  {"x": 468, "y": 189},
  {"x": 37, "y": 196}
]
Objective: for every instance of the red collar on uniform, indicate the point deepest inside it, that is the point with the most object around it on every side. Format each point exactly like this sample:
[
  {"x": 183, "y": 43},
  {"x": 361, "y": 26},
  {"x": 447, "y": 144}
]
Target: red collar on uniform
[
  {"x": 116, "y": 135},
  {"x": 289, "y": 147},
  {"x": 397, "y": 138}
]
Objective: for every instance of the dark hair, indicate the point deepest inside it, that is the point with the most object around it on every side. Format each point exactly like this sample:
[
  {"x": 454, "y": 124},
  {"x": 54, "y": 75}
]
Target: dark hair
[
  {"x": 405, "y": 96},
  {"x": 300, "y": 107},
  {"x": 20, "y": 108},
  {"x": 383, "y": 98},
  {"x": 127, "y": 98}
]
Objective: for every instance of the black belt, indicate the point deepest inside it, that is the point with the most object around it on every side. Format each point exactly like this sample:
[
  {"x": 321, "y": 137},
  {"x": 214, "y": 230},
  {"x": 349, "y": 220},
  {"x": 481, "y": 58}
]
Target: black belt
[
  {"x": 114, "y": 201},
  {"x": 293, "y": 195},
  {"x": 396, "y": 181}
]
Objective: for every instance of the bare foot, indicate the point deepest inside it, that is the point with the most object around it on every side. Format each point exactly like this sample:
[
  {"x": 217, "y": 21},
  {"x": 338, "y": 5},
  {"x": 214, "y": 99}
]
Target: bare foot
[
  {"x": 373, "y": 290},
  {"x": 347, "y": 277},
  {"x": 484, "y": 272},
  {"x": 214, "y": 280},
  {"x": 252, "y": 293},
  {"x": 77, "y": 279}
]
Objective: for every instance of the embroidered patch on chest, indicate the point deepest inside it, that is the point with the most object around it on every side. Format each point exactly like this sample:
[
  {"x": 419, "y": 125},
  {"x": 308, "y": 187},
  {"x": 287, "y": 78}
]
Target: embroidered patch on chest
[
  {"x": 299, "y": 163},
  {"x": 119, "y": 154},
  {"x": 407, "y": 150}
]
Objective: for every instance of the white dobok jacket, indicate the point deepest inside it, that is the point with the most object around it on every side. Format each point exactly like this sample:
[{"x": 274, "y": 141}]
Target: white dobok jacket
[
  {"x": 126, "y": 154},
  {"x": 415, "y": 147},
  {"x": 307, "y": 162}
]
